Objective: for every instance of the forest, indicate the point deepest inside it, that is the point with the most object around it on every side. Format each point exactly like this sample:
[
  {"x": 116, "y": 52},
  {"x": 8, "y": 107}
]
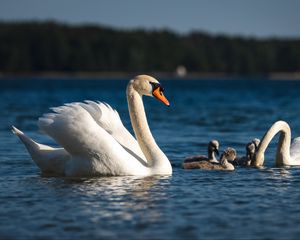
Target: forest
[{"x": 49, "y": 46}]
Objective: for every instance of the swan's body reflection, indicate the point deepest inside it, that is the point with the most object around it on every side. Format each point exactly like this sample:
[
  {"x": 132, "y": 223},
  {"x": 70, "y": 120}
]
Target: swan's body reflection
[{"x": 123, "y": 198}]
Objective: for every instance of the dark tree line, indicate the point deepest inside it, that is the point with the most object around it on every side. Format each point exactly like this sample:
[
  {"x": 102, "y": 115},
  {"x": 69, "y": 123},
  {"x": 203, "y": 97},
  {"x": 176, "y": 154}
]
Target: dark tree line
[{"x": 48, "y": 46}]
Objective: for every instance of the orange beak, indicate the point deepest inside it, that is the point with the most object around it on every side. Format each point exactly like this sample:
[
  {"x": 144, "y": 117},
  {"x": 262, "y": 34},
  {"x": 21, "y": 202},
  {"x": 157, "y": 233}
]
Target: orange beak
[{"x": 158, "y": 94}]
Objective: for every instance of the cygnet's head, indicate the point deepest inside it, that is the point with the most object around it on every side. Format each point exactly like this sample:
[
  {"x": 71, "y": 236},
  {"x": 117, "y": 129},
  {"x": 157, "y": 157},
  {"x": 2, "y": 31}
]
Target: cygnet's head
[
  {"x": 149, "y": 86},
  {"x": 213, "y": 146},
  {"x": 229, "y": 154},
  {"x": 250, "y": 150},
  {"x": 256, "y": 142},
  {"x": 227, "y": 157}
]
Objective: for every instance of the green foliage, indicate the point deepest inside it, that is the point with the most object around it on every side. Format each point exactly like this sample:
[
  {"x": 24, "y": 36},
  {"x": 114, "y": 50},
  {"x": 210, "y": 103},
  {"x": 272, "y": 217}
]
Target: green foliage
[{"x": 48, "y": 46}]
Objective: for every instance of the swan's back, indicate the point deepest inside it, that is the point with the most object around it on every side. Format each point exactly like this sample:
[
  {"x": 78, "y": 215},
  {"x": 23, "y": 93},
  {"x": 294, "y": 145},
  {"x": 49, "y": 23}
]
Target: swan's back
[{"x": 195, "y": 159}]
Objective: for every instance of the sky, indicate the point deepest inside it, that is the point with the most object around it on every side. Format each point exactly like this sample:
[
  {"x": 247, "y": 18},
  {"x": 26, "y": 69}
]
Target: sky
[{"x": 256, "y": 18}]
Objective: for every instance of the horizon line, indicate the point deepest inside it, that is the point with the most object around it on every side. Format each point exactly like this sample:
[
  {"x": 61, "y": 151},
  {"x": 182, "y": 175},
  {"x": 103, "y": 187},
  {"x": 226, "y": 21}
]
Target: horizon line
[{"x": 148, "y": 29}]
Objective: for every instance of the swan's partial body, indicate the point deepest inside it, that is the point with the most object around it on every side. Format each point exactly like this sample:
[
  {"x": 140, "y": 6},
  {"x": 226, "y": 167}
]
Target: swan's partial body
[
  {"x": 242, "y": 161},
  {"x": 95, "y": 142},
  {"x": 251, "y": 148},
  {"x": 212, "y": 151},
  {"x": 48, "y": 159},
  {"x": 224, "y": 164},
  {"x": 286, "y": 154}
]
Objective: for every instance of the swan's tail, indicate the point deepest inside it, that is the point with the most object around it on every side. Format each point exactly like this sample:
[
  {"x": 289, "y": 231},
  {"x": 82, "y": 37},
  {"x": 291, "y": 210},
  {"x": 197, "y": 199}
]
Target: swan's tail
[
  {"x": 31, "y": 145},
  {"x": 48, "y": 159},
  {"x": 36, "y": 150}
]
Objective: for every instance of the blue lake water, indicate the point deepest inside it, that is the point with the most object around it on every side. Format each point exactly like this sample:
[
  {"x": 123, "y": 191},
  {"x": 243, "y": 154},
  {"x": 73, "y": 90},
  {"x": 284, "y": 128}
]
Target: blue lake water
[{"x": 248, "y": 203}]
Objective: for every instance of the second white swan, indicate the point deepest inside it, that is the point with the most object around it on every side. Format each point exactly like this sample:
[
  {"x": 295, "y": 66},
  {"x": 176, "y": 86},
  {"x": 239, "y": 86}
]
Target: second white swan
[{"x": 286, "y": 154}]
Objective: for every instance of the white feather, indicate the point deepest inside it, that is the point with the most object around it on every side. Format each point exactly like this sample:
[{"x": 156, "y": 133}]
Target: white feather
[
  {"x": 110, "y": 121},
  {"x": 48, "y": 159}
]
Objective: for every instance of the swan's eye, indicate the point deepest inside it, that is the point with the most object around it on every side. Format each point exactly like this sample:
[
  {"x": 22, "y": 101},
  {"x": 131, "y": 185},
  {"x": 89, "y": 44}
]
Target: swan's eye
[
  {"x": 156, "y": 86},
  {"x": 157, "y": 92}
]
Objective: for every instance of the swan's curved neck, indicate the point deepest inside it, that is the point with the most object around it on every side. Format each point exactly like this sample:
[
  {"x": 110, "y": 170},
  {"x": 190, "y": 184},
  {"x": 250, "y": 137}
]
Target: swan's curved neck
[
  {"x": 156, "y": 159},
  {"x": 283, "y": 147},
  {"x": 211, "y": 155}
]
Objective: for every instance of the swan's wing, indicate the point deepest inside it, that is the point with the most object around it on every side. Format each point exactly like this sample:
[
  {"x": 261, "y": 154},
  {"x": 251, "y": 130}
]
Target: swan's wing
[
  {"x": 295, "y": 151},
  {"x": 78, "y": 133},
  {"x": 109, "y": 119}
]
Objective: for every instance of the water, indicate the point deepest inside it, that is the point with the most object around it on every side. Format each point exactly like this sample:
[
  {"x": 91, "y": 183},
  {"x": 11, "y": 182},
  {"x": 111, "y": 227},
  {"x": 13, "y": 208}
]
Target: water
[{"x": 247, "y": 203}]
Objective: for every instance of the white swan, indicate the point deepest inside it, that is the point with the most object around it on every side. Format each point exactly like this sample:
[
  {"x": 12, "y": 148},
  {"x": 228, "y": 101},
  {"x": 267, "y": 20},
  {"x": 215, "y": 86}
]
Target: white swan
[
  {"x": 94, "y": 140},
  {"x": 287, "y": 154}
]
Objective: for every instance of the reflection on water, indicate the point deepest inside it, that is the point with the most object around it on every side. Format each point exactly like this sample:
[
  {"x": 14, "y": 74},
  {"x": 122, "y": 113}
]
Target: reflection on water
[
  {"x": 248, "y": 203},
  {"x": 126, "y": 195}
]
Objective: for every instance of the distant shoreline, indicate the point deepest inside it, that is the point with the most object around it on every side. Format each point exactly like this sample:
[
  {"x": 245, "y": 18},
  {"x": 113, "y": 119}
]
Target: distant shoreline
[
  {"x": 53, "y": 49},
  {"x": 161, "y": 75}
]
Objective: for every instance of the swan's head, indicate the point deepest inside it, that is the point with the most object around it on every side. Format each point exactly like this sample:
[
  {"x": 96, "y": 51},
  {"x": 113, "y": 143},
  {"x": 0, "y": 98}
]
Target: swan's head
[
  {"x": 149, "y": 86},
  {"x": 213, "y": 146}
]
